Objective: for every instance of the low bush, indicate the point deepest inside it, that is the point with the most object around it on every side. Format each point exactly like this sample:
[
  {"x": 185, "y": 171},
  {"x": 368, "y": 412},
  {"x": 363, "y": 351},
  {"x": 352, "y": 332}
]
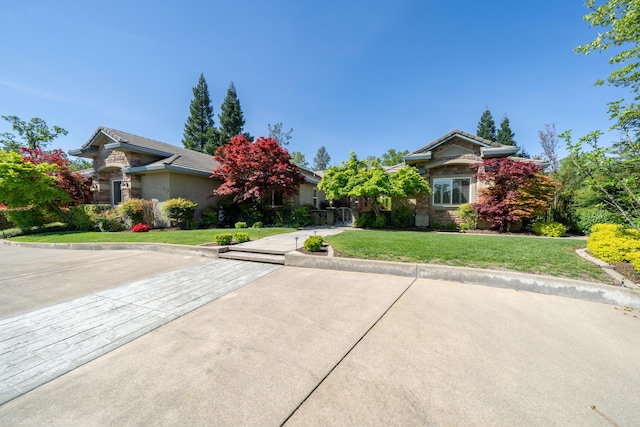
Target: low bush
[
  {"x": 241, "y": 237},
  {"x": 302, "y": 217},
  {"x": 313, "y": 243},
  {"x": 451, "y": 226},
  {"x": 83, "y": 217},
  {"x": 140, "y": 228},
  {"x": 32, "y": 216},
  {"x": 435, "y": 225},
  {"x": 5, "y": 222},
  {"x": 241, "y": 224},
  {"x": 468, "y": 215},
  {"x": 257, "y": 225},
  {"x": 110, "y": 221},
  {"x": 549, "y": 228},
  {"x": 366, "y": 220},
  {"x": 614, "y": 243},
  {"x": 223, "y": 239},
  {"x": 180, "y": 212},
  {"x": 402, "y": 216},
  {"x": 138, "y": 211},
  {"x": 380, "y": 221},
  {"x": 586, "y": 218}
]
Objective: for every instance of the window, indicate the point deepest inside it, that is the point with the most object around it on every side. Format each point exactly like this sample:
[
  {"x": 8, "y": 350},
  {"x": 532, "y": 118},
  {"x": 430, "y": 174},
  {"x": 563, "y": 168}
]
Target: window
[
  {"x": 315, "y": 198},
  {"x": 276, "y": 199},
  {"x": 116, "y": 192},
  {"x": 451, "y": 191}
]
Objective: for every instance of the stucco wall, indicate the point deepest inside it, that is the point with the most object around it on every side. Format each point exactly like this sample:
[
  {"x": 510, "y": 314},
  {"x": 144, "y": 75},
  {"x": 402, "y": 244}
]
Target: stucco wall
[{"x": 305, "y": 195}]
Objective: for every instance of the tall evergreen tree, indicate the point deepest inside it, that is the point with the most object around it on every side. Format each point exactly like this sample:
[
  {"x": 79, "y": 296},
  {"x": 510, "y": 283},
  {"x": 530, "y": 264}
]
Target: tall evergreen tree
[
  {"x": 505, "y": 134},
  {"x": 321, "y": 160},
  {"x": 231, "y": 118},
  {"x": 486, "y": 126},
  {"x": 199, "y": 130}
]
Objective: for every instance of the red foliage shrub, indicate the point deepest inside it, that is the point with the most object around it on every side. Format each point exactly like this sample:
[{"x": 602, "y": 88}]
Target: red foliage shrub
[{"x": 140, "y": 228}]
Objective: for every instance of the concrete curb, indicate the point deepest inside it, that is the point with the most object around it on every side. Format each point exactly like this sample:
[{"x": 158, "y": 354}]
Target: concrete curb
[
  {"x": 549, "y": 285},
  {"x": 205, "y": 251}
]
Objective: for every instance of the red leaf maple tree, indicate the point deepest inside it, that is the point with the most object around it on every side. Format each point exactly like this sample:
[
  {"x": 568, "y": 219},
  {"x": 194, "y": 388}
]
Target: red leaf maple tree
[
  {"x": 516, "y": 190},
  {"x": 252, "y": 171},
  {"x": 76, "y": 185}
]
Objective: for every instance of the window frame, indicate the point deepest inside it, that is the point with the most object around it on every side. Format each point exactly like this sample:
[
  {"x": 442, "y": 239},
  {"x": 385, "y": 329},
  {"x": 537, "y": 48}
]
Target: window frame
[
  {"x": 450, "y": 182},
  {"x": 119, "y": 182}
]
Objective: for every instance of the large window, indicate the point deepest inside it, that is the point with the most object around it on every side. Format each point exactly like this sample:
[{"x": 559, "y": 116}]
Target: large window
[{"x": 451, "y": 191}]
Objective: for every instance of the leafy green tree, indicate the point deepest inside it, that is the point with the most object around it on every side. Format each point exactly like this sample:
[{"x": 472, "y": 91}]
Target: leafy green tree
[
  {"x": 614, "y": 170},
  {"x": 298, "y": 159},
  {"x": 199, "y": 130},
  {"x": 34, "y": 134},
  {"x": 276, "y": 132},
  {"x": 357, "y": 178},
  {"x": 393, "y": 157},
  {"x": 231, "y": 118},
  {"x": 486, "y": 126},
  {"x": 321, "y": 160}
]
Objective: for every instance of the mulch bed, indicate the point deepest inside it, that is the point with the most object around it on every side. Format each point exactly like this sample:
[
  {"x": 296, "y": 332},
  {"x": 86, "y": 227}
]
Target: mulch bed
[
  {"x": 627, "y": 270},
  {"x": 321, "y": 252}
]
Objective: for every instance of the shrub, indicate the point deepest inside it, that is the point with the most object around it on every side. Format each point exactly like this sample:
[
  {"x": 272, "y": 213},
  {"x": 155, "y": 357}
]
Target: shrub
[
  {"x": 588, "y": 217},
  {"x": 468, "y": 215},
  {"x": 241, "y": 224},
  {"x": 435, "y": 225},
  {"x": 402, "y": 216},
  {"x": 614, "y": 243},
  {"x": 222, "y": 239},
  {"x": 140, "y": 228},
  {"x": 31, "y": 216},
  {"x": 110, "y": 221},
  {"x": 367, "y": 219},
  {"x": 302, "y": 217},
  {"x": 5, "y": 222},
  {"x": 209, "y": 217},
  {"x": 313, "y": 243},
  {"x": 138, "y": 211},
  {"x": 451, "y": 226},
  {"x": 180, "y": 212},
  {"x": 83, "y": 217},
  {"x": 380, "y": 221},
  {"x": 241, "y": 237},
  {"x": 257, "y": 225},
  {"x": 549, "y": 228}
]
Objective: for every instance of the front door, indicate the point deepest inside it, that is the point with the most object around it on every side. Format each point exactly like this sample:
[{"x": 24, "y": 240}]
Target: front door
[{"x": 116, "y": 192}]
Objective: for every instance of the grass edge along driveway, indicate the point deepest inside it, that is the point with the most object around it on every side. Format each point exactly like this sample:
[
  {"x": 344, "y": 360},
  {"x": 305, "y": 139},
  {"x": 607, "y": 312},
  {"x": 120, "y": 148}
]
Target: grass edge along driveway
[
  {"x": 177, "y": 237},
  {"x": 548, "y": 256}
]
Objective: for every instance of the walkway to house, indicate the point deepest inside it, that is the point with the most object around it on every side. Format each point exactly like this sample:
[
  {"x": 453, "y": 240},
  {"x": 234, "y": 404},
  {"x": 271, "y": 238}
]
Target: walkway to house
[{"x": 39, "y": 346}]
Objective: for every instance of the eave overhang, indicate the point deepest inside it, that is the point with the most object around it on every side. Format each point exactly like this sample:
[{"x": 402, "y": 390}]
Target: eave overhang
[
  {"x": 165, "y": 168},
  {"x": 504, "y": 151}
]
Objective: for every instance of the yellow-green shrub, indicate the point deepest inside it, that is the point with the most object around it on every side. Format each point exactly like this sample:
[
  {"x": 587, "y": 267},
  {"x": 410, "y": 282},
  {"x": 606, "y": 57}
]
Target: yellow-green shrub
[
  {"x": 614, "y": 243},
  {"x": 549, "y": 228}
]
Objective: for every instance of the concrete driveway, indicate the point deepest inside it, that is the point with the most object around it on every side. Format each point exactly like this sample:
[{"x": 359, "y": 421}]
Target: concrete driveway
[{"x": 315, "y": 347}]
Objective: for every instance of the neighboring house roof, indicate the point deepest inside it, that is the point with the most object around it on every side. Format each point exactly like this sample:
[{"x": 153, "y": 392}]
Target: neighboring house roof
[
  {"x": 310, "y": 177},
  {"x": 488, "y": 148},
  {"x": 169, "y": 156}
]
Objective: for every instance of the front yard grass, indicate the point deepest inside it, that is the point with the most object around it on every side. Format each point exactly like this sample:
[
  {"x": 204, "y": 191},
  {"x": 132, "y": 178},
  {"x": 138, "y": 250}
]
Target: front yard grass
[
  {"x": 180, "y": 237},
  {"x": 550, "y": 256}
]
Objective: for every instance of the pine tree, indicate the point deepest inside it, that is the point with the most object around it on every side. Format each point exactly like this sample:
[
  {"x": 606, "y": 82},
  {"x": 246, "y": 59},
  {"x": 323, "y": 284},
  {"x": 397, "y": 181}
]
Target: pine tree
[
  {"x": 486, "y": 126},
  {"x": 199, "y": 130},
  {"x": 231, "y": 118},
  {"x": 321, "y": 160},
  {"x": 505, "y": 134}
]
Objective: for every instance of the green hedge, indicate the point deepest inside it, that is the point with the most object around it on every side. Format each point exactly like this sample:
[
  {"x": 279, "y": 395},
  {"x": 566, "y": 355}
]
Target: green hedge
[
  {"x": 313, "y": 243},
  {"x": 180, "y": 212}
]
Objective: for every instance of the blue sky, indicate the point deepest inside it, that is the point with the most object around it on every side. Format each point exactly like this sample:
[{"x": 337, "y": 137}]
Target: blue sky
[{"x": 361, "y": 76}]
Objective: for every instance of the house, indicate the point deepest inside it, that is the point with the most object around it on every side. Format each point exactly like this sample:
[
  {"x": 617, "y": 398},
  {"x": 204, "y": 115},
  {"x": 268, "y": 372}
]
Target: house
[
  {"x": 127, "y": 166},
  {"x": 445, "y": 165}
]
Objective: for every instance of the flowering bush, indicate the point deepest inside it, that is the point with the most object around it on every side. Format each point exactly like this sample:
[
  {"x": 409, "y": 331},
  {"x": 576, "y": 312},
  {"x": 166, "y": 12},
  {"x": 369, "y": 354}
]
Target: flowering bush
[
  {"x": 140, "y": 228},
  {"x": 614, "y": 243}
]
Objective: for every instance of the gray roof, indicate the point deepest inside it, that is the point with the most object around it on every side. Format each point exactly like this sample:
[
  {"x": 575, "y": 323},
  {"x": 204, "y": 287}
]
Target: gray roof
[
  {"x": 456, "y": 132},
  {"x": 169, "y": 156}
]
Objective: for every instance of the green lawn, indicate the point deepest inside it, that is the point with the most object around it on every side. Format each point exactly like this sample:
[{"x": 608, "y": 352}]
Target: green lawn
[
  {"x": 180, "y": 237},
  {"x": 551, "y": 256}
]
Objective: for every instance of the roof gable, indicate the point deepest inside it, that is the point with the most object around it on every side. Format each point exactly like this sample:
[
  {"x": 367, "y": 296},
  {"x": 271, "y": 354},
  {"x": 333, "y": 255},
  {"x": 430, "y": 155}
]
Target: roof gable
[{"x": 457, "y": 134}]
